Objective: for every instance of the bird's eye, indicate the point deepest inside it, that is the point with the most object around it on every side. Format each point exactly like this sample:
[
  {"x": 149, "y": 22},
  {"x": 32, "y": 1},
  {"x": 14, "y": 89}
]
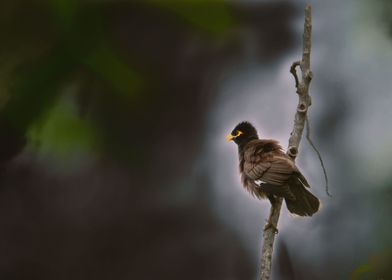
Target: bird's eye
[{"x": 238, "y": 133}]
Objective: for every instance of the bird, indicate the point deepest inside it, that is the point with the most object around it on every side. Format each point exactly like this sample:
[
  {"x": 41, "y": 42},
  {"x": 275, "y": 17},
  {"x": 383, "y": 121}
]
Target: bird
[{"x": 268, "y": 172}]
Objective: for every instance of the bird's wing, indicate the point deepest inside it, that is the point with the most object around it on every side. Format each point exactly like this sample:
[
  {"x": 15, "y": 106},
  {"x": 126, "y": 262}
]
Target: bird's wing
[
  {"x": 264, "y": 161},
  {"x": 271, "y": 174},
  {"x": 270, "y": 169}
]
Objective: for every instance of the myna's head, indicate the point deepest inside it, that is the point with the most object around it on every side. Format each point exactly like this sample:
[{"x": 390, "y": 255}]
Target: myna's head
[{"x": 243, "y": 133}]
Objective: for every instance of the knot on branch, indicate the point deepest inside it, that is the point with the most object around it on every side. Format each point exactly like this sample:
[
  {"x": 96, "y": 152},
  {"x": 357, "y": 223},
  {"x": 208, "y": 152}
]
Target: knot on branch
[
  {"x": 292, "y": 151},
  {"x": 302, "y": 108}
]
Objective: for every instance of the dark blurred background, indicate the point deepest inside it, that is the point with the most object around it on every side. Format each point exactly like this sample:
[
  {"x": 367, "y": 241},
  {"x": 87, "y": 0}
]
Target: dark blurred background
[{"x": 113, "y": 160}]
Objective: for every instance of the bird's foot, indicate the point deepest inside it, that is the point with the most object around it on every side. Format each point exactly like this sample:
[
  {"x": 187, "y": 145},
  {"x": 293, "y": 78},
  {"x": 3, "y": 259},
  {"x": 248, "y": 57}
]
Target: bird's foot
[{"x": 271, "y": 225}]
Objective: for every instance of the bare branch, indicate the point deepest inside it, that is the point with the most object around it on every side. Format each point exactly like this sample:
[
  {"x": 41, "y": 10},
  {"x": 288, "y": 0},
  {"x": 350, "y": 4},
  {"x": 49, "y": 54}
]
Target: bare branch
[
  {"x": 269, "y": 239},
  {"x": 295, "y": 138}
]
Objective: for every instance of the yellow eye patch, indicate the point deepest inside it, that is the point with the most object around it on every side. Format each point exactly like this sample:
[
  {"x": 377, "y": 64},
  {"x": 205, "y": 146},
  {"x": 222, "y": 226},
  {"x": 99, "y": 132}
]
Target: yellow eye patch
[
  {"x": 238, "y": 133},
  {"x": 231, "y": 137}
]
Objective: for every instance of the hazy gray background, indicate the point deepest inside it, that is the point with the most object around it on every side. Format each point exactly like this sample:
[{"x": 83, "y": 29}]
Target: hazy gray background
[{"x": 351, "y": 100}]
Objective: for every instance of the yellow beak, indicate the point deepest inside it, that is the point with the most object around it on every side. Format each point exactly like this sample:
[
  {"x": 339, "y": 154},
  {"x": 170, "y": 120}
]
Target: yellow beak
[{"x": 229, "y": 137}]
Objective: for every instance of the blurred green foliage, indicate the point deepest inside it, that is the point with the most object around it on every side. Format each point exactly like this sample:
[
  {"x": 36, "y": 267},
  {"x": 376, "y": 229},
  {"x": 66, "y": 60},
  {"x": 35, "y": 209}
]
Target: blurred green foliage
[
  {"x": 65, "y": 12},
  {"x": 377, "y": 267},
  {"x": 386, "y": 18},
  {"x": 360, "y": 271},
  {"x": 210, "y": 16},
  {"x": 378, "y": 263},
  {"x": 62, "y": 40},
  {"x": 36, "y": 87},
  {"x": 61, "y": 133},
  {"x": 111, "y": 68}
]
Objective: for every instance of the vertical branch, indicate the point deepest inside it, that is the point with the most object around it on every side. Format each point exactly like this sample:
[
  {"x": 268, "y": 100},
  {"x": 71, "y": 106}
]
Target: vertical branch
[
  {"x": 269, "y": 239},
  {"x": 304, "y": 101},
  {"x": 302, "y": 88}
]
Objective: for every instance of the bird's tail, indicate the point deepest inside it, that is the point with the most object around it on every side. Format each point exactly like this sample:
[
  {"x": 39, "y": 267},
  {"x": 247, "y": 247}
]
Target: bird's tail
[{"x": 305, "y": 203}]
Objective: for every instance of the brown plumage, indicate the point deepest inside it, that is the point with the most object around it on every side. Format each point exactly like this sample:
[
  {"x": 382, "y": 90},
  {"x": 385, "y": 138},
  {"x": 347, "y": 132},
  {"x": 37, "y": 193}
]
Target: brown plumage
[{"x": 266, "y": 171}]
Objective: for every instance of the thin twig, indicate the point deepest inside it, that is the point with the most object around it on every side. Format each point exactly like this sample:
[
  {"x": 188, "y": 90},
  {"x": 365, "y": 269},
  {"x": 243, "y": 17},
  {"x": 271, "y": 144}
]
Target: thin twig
[
  {"x": 293, "y": 71},
  {"x": 318, "y": 154},
  {"x": 294, "y": 140}
]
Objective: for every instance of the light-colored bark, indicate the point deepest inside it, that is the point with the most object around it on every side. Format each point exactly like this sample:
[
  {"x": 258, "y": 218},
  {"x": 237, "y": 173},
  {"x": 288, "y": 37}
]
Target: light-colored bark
[{"x": 304, "y": 101}]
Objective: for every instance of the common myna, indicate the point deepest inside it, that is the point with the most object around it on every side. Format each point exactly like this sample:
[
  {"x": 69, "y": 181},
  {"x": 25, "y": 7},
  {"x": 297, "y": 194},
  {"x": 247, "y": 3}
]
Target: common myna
[{"x": 266, "y": 171}]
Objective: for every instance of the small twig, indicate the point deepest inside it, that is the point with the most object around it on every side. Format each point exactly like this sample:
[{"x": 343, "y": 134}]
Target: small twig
[
  {"x": 293, "y": 71},
  {"x": 294, "y": 140},
  {"x": 318, "y": 154}
]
